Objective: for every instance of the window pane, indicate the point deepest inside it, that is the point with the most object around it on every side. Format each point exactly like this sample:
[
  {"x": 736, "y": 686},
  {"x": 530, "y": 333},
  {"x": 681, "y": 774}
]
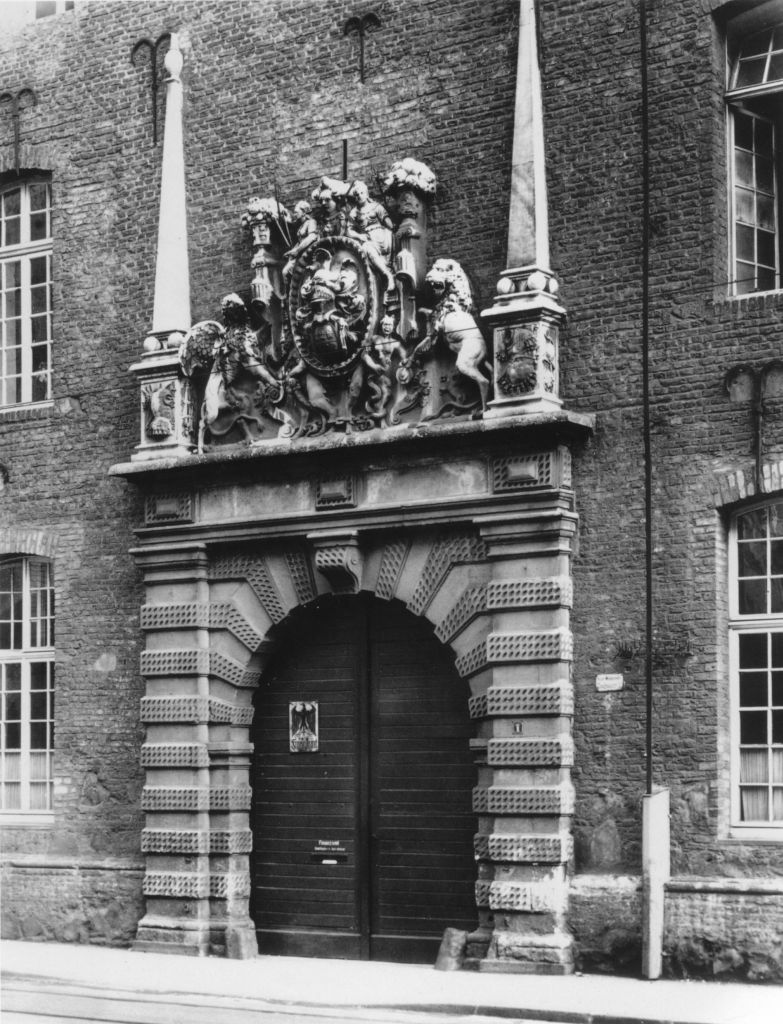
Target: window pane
[
  {"x": 775, "y": 520},
  {"x": 752, "y": 597},
  {"x": 38, "y": 736},
  {"x": 777, "y": 689},
  {"x": 777, "y": 650},
  {"x": 746, "y": 241},
  {"x": 777, "y": 804},
  {"x": 765, "y": 212},
  {"x": 765, "y": 247},
  {"x": 40, "y": 327},
  {"x": 753, "y": 689},
  {"x": 765, "y": 178},
  {"x": 756, "y": 44},
  {"x": 750, "y": 72},
  {"x": 13, "y": 676},
  {"x": 752, "y": 650},
  {"x": 753, "y": 727},
  {"x": 11, "y": 796},
  {"x": 754, "y": 804},
  {"x": 39, "y": 298},
  {"x": 776, "y": 594},
  {"x": 743, "y": 137},
  {"x": 753, "y": 766},
  {"x": 763, "y": 138},
  {"x": 775, "y": 71},
  {"x": 777, "y": 726},
  {"x": 13, "y": 736},
  {"x": 38, "y": 270},
  {"x": 12, "y": 231},
  {"x": 38, "y": 226},
  {"x": 743, "y": 172},
  {"x": 752, "y": 524},
  {"x": 777, "y": 765},
  {"x": 766, "y": 279},
  {"x": 38, "y": 675},
  {"x": 38, "y": 705},
  {"x": 12, "y": 203},
  {"x": 745, "y": 210},
  {"x": 752, "y": 558},
  {"x": 13, "y": 707}
]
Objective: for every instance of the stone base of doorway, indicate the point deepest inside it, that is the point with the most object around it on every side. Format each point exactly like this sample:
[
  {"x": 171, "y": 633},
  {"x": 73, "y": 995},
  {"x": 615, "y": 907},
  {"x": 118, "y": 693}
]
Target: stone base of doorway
[
  {"x": 233, "y": 941},
  {"x": 508, "y": 952}
]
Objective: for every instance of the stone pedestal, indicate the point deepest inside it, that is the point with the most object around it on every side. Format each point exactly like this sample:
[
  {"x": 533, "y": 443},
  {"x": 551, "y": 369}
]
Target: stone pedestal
[
  {"x": 525, "y": 321},
  {"x": 166, "y": 407}
]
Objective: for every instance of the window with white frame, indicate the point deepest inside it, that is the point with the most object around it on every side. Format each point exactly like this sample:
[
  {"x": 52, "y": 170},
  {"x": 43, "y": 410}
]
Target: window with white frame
[
  {"x": 25, "y": 293},
  {"x": 26, "y": 684},
  {"x": 755, "y": 106},
  {"x": 756, "y": 641}
]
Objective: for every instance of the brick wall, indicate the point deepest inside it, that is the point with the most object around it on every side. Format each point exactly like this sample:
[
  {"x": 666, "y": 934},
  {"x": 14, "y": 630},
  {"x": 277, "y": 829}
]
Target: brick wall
[{"x": 270, "y": 93}]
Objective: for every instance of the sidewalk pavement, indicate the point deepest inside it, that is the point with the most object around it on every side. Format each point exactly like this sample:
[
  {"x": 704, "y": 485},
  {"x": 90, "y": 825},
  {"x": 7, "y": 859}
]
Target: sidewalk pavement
[{"x": 283, "y": 983}]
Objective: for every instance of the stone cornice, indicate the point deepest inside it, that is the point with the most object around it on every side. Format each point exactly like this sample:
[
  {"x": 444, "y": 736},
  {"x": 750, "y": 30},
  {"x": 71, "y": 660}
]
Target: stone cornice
[{"x": 415, "y": 441}]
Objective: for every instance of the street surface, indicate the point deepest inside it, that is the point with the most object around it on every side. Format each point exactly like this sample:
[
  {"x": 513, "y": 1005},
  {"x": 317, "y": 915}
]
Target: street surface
[{"x": 30, "y": 1002}]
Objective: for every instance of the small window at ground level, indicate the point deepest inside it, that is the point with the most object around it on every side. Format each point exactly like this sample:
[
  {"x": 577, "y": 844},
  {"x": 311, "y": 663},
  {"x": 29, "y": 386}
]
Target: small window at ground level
[
  {"x": 755, "y": 108},
  {"x": 26, "y": 684}
]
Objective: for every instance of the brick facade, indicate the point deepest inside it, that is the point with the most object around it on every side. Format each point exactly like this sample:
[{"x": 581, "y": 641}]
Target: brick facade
[{"x": 271, "y": 92}]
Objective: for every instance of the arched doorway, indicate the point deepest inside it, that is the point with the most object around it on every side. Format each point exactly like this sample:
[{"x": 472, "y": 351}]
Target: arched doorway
[{"x": 363, "y": 847}]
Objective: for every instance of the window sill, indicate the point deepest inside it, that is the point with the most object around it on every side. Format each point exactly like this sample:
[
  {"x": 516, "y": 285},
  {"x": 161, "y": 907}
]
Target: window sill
[
  {"x": 27, "y": 819},
  {"x": 757, "y": 833},
  {"x": 22, "y": 413},
  {"x": 752, "y": 300}
]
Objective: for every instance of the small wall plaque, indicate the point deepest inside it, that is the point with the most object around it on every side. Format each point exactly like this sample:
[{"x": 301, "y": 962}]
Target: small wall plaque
[
  {"x": 303, "y": 726},
  {"x": 606, "y": 683}
]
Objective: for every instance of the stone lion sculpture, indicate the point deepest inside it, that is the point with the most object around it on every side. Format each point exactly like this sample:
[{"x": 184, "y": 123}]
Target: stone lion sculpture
[{"x": 452, "y": 321}]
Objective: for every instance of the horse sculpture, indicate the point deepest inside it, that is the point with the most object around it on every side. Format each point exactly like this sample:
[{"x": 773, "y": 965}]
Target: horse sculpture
[{"x": 452, "y": 321}]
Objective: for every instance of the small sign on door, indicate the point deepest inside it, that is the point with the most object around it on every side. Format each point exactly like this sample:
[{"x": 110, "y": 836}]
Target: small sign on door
[{"x": 303, "y": 726}]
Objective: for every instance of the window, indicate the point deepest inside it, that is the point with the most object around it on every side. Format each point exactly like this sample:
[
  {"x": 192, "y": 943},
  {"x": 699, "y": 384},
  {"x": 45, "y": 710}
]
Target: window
[
  {"x": 755, "y": 104},
  {"x": 45, "y": 8},
  {"x": 26, "y": 684},
  {"x": 756, "y": 627},
  {"x": 25, "y": 293}
]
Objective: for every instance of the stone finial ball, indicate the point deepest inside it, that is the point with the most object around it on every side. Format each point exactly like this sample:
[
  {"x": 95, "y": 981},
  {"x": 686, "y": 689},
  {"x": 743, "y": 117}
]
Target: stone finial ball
[
  {"x": 175, "y": 339},
  {"x": 553, "y": 286},
  {"x": 536, "y": 282},
  {"x": 151, "y": 344},
  {"x": 504, "y": 286}
]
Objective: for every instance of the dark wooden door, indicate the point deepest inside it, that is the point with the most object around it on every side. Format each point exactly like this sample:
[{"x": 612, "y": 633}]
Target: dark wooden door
[{"x": 363, "y": 848}]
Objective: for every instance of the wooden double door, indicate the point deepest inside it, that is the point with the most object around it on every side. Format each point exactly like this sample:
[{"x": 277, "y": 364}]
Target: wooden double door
[{"x": 363, "y": 847}]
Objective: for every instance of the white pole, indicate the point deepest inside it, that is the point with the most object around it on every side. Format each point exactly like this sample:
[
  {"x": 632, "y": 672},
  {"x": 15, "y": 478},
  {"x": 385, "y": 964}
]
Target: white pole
[{"x": 655, "y": 873}]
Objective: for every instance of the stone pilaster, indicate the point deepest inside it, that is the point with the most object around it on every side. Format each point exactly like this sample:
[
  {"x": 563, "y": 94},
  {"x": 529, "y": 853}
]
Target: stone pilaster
[
  {"x": 176, "y": 796},
  {"x": 519, "y": 667}
]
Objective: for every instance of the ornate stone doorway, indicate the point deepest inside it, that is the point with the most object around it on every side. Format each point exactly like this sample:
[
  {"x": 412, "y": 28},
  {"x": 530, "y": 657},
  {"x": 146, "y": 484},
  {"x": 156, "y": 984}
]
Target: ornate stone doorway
[{"x": 362, "y": 779}]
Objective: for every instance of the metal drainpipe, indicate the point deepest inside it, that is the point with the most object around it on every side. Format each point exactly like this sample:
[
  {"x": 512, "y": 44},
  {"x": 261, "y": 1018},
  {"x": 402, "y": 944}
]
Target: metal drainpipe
[
  {"x": 648, "y": 528},
  {"x": 655, "y": 805}
]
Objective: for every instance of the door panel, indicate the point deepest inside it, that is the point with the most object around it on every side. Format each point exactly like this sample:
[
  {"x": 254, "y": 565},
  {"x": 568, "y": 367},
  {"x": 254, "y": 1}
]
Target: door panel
[
  {"x": 299, "y": 799},
  {"x": 390, "y": 785}
]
